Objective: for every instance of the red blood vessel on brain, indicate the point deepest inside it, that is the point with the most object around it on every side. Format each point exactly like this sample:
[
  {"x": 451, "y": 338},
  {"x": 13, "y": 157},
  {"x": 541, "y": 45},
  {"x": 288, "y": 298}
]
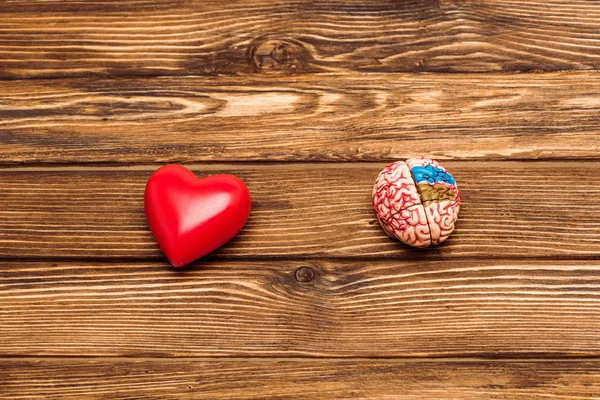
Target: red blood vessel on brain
[{"x": 416, "y": 201}]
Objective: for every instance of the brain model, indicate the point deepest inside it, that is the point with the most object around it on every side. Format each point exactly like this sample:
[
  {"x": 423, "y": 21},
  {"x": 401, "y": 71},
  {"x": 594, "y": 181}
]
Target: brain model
[{"x": 416, "y": 201}]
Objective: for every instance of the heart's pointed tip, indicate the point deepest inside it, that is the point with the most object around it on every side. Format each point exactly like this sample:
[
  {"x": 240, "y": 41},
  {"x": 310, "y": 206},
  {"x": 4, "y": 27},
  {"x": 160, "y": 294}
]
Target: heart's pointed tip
[
  {"x": 179, "y": 264},
  {"x": 177, "y": 261}
]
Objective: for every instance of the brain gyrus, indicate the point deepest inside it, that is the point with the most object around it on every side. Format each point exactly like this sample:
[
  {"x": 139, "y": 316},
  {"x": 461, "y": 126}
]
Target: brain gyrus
[{"x": 416, "y": 201}]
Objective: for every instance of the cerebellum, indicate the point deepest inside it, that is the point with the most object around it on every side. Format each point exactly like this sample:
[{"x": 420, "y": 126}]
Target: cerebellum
[{"x": 416, "y": 201}]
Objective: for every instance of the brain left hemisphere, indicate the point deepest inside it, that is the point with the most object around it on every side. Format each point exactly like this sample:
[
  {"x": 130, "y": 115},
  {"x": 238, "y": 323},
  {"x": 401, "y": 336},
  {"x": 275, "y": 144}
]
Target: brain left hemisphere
[{"x": 398, "y": 207}]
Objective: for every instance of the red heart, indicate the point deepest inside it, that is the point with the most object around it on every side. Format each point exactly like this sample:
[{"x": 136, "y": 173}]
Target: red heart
[{"x": 191, "y": 217}]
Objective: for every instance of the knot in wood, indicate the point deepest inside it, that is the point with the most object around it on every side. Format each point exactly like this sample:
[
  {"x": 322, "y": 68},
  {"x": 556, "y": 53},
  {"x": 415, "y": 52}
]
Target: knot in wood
[
  {"x": 273, "y": 55},
  {"x": 305, "y": 274}
]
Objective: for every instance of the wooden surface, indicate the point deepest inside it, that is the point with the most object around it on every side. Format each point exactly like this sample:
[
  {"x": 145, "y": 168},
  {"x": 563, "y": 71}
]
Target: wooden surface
[
  {"x": 283, "y": 379},
  {"x": 545, "y": 210},
  {"x": 306, "y": 102},
  {"x": 372, "y": 309},
  {"x": 149, "y": 37},
  {"x": 349, "y": 117}
]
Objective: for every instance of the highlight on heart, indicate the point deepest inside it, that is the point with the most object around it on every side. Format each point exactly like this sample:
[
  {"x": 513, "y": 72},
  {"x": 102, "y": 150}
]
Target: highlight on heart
[{"x": 191, "y": 217}]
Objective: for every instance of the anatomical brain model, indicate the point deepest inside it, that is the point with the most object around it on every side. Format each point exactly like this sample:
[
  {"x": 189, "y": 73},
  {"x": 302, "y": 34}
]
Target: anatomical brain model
[{"x": 416, "y": 201}]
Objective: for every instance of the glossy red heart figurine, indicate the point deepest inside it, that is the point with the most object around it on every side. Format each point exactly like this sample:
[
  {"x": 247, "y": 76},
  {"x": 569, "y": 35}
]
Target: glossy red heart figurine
[{"x": 191, "y": 217}]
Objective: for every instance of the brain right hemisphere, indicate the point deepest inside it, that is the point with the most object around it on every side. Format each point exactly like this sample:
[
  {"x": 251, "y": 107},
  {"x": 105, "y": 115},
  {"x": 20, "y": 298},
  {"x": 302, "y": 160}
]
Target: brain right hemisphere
[{"x": 416, "y": 201}]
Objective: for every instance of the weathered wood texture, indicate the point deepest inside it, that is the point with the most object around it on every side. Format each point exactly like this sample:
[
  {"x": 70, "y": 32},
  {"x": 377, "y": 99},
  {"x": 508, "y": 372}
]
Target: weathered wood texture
[
  {"x": 312, "y": 275},
  {"x": 353, "y": 117},
  {"x": 302, "y": 211},
  {"x": 239, "y": 379},
  {"x": 70, "y": 38},
  {"x": 349, "y": 309}
]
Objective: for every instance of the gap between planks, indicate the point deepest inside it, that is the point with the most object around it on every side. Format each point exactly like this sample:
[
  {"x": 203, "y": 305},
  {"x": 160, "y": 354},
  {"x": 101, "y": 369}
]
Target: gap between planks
[
  {"x": 342, "y": 74},
  {"x": 295, "y": 259},
  {"x": 268, "y": 165},
  {"x": 404, "y": 359},
  {"x": 322, "y": 74}
]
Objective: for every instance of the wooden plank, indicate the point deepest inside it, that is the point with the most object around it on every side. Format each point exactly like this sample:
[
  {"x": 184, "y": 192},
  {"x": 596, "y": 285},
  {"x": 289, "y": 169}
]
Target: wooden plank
[
  {"x": 509, "y": 209},
  {"x": 368, "y": 117},
  {"x": 264, "y": 379},
  {"x": 106, "y": 37},
  {"x": 498, "y": 308}
]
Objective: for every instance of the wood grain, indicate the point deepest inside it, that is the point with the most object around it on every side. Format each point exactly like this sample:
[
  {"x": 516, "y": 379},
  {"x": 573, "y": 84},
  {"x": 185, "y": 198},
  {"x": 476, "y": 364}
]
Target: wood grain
[
  {"x": 498, "y": 308},
  {"x": 307, "y": 211},
  {"x": 241, "y": 379},
  {"x": 368, "y": 117},
  {"x": 311, "y": 300},
  {"x": 73, "y": 38}
]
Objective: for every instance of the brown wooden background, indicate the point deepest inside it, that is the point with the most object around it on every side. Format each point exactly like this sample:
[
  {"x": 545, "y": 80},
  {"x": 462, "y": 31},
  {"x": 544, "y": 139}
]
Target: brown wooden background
[{"x": 306, "y": 101}]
